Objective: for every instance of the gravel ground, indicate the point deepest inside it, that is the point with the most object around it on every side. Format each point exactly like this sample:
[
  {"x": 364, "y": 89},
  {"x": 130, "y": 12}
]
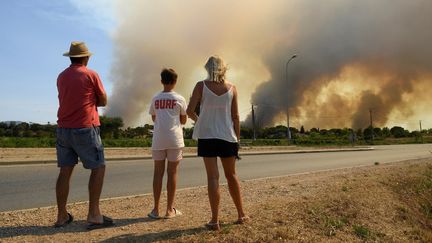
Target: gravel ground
[{"x": 357, "y": 204}]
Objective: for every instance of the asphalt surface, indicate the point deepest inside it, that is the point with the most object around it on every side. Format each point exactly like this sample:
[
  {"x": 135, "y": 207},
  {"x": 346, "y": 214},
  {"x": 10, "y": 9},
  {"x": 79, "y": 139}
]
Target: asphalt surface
[{"x": 29, "y": 186}]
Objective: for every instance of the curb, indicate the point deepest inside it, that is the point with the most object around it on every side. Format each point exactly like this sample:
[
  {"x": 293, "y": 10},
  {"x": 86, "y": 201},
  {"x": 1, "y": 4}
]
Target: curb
[{"x": 38, "y": 162}]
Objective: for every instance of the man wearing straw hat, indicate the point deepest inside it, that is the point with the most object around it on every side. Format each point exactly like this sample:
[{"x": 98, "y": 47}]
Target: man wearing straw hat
[{"x": 80, "y": 92}]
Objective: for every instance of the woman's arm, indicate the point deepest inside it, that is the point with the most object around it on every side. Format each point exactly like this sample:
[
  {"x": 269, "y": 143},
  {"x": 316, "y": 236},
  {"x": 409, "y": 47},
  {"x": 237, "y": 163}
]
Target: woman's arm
[
  {"x": 235, "y": 114},
  {"x": 183, "y": 119},
  {"x": 194, "y": 100}
]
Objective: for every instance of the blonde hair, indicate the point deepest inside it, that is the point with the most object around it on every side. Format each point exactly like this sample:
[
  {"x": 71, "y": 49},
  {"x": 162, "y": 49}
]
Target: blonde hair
[{"x": 216, "y": 69}]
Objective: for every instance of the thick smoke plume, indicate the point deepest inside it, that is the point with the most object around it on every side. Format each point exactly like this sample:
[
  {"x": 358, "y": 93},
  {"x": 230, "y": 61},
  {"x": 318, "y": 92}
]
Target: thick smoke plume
[{"x": 355, "y": 58}]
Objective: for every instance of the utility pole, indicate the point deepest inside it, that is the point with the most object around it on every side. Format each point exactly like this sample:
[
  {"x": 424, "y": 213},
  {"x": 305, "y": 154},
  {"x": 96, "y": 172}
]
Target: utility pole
[
  {"x": 371, "y": 124},
  {"x": 253, "y": 123},
  {"x": 288, "y": 128},
  {"x": 421, "y": 135},
  {"x": 286, "y": 79}
]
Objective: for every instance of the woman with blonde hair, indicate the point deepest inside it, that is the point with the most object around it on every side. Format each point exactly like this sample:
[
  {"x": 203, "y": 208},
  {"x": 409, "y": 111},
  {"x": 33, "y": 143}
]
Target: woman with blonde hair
[{"x": 217, "y": 129}]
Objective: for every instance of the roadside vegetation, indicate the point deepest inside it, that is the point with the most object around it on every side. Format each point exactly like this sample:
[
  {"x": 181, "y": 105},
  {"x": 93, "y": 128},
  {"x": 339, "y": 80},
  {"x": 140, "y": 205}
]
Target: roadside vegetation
[{"x": 21, "y": 134}]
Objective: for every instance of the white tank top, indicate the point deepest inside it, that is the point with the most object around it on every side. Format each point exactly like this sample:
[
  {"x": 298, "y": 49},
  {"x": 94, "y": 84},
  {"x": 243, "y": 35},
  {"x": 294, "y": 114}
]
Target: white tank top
[{"x": 215, "y": 119}]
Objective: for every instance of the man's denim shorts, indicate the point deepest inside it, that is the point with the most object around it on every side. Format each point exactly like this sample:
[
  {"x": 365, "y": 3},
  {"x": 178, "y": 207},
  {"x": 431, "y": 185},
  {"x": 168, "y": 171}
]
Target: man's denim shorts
[{"x": 83, "y": 143}]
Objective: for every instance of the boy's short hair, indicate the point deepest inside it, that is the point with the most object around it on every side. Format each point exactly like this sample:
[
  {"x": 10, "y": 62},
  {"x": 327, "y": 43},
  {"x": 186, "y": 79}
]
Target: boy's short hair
[{"x": 168, "y": 76}]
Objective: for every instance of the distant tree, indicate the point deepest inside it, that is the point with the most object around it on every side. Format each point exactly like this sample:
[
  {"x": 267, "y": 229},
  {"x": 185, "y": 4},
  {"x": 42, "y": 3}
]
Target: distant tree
[
  {"x": 29, "y": 133},
  {"x": 386, "y": 132},
  {"x": 368, "y": 133},
  {"x": 415, "y": 134},
  {"x": 323, "y": 131},
  {"x": 276, "y": 132},
  {"x": 4, "y": 125},
  {"x": 359, "y": 133},
  {"x": 246, "y": 132},
  {"x": 19, "y": 129},
  {"x": 36, "y": 127},
  {"x": 8, "y": 133},
  {"x": 398, "y": 132},
  {"x": 302, "y": 130},
  {"x": 377, "y": 131},
  {"x": 336, "y": 131},
  {"x": 315, "y": 130},
  {"x": 110, "y": 126}
]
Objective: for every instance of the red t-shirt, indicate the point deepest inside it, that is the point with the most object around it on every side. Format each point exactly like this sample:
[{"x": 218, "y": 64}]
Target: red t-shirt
[{"x": 78, "y": 88}]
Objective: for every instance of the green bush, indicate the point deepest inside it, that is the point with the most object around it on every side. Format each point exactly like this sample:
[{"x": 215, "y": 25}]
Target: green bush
[
  {"x": 127, "y": 142},
  {"x": 13, "y": 142},
  {"x": 324, "y": 140}
]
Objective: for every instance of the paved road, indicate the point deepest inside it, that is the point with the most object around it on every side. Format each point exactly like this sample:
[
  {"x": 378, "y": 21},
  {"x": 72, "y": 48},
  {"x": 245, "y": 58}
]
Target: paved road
[{"x": 31, "y": 186}]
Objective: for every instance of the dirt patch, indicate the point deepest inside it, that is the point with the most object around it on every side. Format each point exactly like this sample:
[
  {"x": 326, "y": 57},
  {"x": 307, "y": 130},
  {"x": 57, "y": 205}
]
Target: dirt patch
[{"x": 387, "y": 202}]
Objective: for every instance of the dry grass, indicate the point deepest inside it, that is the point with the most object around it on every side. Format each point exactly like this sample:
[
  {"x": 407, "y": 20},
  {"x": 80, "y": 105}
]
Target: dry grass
[{"x": 388, "y": 202}]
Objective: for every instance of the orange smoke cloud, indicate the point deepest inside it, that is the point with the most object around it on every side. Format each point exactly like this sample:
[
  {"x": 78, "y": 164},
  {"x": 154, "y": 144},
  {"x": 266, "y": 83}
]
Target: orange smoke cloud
[{"x": 353, "y": 56}]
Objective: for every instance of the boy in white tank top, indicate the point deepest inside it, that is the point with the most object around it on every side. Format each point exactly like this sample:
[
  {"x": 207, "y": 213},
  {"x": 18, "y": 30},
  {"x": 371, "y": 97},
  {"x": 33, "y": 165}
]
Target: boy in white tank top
[{"x": 168, "y": 111}]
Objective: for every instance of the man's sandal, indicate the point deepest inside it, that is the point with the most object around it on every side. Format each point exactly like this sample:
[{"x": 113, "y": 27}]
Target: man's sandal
[{"x": 68, "y": 221}]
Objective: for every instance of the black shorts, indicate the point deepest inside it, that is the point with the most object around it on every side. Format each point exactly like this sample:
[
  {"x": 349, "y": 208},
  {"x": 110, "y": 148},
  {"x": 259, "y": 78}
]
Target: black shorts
[{"x": 217, "y": 148}]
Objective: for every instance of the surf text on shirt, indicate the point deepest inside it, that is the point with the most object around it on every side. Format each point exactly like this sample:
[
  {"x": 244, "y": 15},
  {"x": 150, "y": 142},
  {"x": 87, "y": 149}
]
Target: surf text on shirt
[{"x": 165, "y": 104}]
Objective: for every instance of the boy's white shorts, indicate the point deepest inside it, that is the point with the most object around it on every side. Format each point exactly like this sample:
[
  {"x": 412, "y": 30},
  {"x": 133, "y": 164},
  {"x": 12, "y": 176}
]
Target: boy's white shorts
[{"x": 170, "y": 154}]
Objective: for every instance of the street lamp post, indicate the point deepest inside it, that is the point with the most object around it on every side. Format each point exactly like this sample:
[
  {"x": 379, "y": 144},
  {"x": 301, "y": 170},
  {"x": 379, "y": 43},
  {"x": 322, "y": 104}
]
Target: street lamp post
[{"x": 286, "y": 79}]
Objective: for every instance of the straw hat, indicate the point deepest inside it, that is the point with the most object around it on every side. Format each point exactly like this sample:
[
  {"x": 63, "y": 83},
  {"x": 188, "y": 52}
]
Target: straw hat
[{"x": 77, "y": 49}]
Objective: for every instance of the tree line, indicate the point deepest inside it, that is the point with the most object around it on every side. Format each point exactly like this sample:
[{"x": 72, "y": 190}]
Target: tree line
[{"x": 112, "y": 128}]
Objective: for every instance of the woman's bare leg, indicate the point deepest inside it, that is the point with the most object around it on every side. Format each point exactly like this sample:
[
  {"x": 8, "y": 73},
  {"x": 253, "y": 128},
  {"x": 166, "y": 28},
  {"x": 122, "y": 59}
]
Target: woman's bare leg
[
  {"x": 228, "y": 164},
  {"x": 213, "y": 186}
]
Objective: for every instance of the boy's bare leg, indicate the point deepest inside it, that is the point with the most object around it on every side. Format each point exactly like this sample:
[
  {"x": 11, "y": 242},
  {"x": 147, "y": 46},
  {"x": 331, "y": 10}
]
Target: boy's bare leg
[
  {"x": 213, "y": 186},
  {"x": 159, "y": 170},
  {"x": 171, "y": 186},
  {"x": 62, "y": 192}
]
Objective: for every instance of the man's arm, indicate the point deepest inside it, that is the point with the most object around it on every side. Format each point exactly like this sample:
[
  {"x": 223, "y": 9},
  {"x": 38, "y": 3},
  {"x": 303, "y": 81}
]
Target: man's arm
[{"x": 101, "y": 100}]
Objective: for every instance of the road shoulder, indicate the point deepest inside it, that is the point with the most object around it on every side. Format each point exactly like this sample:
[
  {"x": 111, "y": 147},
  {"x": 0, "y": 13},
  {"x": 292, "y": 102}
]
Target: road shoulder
[{"x": 27, "y": 156}]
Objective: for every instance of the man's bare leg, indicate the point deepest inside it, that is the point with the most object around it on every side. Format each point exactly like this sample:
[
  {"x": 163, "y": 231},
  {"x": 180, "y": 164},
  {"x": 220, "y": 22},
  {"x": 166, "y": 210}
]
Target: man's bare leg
[
  {"x": 62, "y": 193},
  {"x": 95, "y": 189}
]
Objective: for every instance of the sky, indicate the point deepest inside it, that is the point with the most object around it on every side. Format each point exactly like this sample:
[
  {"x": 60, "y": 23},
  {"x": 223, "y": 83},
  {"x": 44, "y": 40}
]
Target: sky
[
  {"x": 354, "y": 58},
  {"x": 35, "y": 34}
]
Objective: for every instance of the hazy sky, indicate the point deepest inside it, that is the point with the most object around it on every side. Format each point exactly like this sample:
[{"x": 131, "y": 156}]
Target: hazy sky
[
  {"x": 353, "y": 56},
  {"x": 35, "y": 34}
]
